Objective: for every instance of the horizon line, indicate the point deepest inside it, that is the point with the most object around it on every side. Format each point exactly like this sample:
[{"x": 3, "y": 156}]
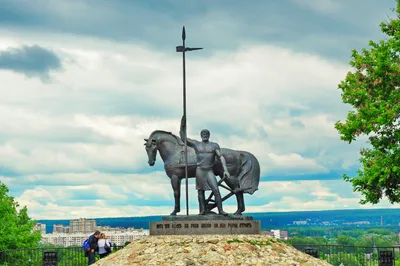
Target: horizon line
[{"x": 248, "y": 214}]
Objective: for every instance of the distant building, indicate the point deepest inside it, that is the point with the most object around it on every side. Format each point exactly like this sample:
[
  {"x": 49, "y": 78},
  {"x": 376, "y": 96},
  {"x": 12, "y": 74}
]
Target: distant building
[
  {"x": 357, "y": 223},
  {"x": 82, "y": 225},
  {"x": 59, "y": 228},
  {"x": 107, "y": 228},
  {"x": 284, "y": 235},
  {"x": 278, "y": 234},
  {"x": 300, "y": 222},
  {"x": 76, "y": 239},
  {"x": 40, "y": 227}
]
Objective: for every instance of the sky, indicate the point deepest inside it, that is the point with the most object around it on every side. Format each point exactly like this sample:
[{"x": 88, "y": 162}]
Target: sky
[{"x": 84, "y": 82}]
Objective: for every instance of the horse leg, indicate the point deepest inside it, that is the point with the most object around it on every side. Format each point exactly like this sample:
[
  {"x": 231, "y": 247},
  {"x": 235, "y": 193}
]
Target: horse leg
[
  {"x": 176, "y": 186},
  {"x": 240, "y": 203}
]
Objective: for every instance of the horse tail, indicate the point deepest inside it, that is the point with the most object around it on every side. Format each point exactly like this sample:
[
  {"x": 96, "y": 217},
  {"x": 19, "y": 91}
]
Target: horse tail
[{"x": 249, "y": 176}]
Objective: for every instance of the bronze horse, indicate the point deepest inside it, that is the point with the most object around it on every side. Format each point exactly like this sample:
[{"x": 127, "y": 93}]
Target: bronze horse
[{"x": 243, "y": 167}]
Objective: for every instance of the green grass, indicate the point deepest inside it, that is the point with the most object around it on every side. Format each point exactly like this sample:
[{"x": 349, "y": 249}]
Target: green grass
[
  {"x": 266, "y": 242},
  {"x": 234, "y": 241}
]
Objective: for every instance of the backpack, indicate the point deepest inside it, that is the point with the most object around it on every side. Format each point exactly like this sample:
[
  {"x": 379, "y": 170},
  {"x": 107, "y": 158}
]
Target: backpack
[
  {"x": 86, "y": 245},
  {"x": 107, "y": 247}
]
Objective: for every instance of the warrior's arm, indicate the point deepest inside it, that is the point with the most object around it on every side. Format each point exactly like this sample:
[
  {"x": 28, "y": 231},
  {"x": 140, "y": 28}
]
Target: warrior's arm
[
  {"x": 182, "y": 133},
  {"x": 222, "y": 159}
]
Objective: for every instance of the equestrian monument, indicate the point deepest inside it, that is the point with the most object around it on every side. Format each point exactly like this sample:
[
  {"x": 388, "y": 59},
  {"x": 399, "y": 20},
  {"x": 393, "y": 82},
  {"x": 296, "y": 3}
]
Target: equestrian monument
[{"x": 239, "y": 173}]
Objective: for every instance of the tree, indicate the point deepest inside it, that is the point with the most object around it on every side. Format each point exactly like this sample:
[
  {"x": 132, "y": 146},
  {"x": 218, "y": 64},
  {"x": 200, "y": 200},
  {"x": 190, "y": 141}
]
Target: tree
[
  {"x": 373, "y": 90},
  {"x": 16, "y": 228},
  {"x": 346, "y": 240},
  {"x": 307, "y": 241}
]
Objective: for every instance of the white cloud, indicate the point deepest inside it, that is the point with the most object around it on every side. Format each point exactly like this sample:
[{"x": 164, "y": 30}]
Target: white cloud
[
  {"x": 246, "y": 98},
  {"x": 295, "y": 161},
  {"x": 43, "y": 201},
  {"x": 310, "y": 195},
  {"x": 242, "y": 86}
]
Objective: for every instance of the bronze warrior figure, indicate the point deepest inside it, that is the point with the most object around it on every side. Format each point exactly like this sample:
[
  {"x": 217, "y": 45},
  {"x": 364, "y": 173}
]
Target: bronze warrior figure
[{"x": 205, "y": 178}]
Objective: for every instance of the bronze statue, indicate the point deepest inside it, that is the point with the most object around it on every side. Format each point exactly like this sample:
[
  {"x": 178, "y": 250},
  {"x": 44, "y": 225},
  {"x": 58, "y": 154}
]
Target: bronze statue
[
  {"x": 206, "y": 151},
  {"x": 243, "y": 168}
]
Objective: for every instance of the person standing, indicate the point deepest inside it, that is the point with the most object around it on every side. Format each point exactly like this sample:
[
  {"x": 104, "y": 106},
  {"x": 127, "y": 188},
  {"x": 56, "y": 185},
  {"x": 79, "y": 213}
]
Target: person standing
[
  {"x": 104, "y": 246},
  {"x": 93, "y": 247}
]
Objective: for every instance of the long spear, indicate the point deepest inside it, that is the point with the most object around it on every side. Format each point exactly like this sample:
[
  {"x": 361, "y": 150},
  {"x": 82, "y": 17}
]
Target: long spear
[{"x": 183, "y": 49}]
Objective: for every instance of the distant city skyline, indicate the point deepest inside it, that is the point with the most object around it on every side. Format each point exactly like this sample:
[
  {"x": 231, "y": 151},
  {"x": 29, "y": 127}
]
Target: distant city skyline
[
  {"x": 85, "y": 84},
  {"x": 79, "y": 229}
]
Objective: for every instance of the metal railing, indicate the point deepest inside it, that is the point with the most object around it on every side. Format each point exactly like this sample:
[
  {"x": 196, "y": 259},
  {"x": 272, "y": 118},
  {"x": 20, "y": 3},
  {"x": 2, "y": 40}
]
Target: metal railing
[
  {"x": 340, "y": 255},
  {"x": 57, "y": 256},
  {"x": 337, "y": 255}
]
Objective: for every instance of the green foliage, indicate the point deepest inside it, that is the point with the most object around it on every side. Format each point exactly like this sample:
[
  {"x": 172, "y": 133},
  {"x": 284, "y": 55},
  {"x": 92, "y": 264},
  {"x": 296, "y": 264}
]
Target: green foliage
[
  {"x": 352, "y": 237},
  {"x": 377, "y": 240},
  {"x": 48, "y": 246},
  {"x": 350, "y": 246},
  {"x": 353, "y": 233},
  {"x": 234, "y": 241},
  {"x": 307, "y": 241},
  {"x": 266, "y": 242},
  {"x": 380, "y": 231},
  {"x": 34, "y": 256},
  {"x": 372, "y": 89},
  {"x": 15, "y": 224},
  {"x": 346, "y": 240},
  {"x": 308, "y": 232},
  {"x": 343, "y": 257}
]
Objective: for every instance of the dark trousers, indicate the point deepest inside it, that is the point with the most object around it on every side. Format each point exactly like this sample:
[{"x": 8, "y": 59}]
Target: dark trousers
[
  {"x": 91, "y": 258},
  {"x": 103, "y": 255}
]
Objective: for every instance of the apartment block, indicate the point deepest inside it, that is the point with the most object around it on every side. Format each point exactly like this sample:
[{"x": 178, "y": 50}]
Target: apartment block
[
  {"x": 82, "y": 225},
  {"x": 59, "y": 228},
  {"x": 278, "y": 234},
  {"x": 40, "y": 227}
]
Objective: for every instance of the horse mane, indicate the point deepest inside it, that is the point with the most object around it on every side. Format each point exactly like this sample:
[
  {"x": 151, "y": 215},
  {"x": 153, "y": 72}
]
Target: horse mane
[{"x": 178, "y": 139}]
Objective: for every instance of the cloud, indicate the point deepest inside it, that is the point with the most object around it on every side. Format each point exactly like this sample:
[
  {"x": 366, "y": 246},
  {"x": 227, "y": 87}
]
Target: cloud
[
  {"x": 113, "y": 140},
  {"x": 308, "y": 195},
  {"x": 30, "y": 61},
  {"x": 301, "y": 27},
  {"x": 49, "y": 202},
  {"x": 270, "y": 89},
  {"x": 296, "y": 162}
]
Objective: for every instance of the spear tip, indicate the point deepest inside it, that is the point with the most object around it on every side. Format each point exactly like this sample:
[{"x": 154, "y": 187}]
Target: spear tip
[{"x": 183, "y": 33}]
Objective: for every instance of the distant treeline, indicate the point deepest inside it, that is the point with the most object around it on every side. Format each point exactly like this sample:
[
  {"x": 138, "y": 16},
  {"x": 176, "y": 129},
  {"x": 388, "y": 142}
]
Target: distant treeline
[{"x": 379, "y": 237}]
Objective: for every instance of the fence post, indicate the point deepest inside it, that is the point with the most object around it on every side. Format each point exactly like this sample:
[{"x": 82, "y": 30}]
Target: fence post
[
  {"x": 386, "y": 258},
  {"x": 312, "y": 252},
  {"x": 50, "y": 258}
]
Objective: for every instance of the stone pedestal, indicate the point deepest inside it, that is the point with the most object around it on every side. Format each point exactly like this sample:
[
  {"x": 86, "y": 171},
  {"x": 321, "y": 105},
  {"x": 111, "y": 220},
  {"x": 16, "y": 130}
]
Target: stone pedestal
[{"x": 205, "y": 225}]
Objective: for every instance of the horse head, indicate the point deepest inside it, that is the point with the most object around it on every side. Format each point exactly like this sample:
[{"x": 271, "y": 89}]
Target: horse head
[
  {"x": 165, "y": 142},
  {"x": 151, "y": 149}
]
